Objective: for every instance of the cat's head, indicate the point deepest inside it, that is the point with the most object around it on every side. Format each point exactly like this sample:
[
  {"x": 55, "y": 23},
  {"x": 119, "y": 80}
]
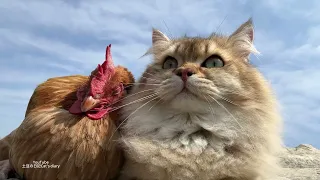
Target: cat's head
[{"x": 190, "y": 72}]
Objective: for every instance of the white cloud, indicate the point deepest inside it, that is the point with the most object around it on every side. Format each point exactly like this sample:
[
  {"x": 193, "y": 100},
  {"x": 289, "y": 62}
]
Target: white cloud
[
  {"x": 18, "y": 76},
  {"x": 7, "y": 94},
  {"x": 49, "y": 46},
  {"x": 42, "y": 39},
  {"x": 267, "y": 44},
  {"x": 294, "y": 9},
  {"x": 102, "y": 17},
  {"x": 313, "y": 34}
]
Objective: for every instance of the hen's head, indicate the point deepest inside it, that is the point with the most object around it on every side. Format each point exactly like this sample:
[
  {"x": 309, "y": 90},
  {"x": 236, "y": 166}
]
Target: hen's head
[{"x": 107, "y": 84}]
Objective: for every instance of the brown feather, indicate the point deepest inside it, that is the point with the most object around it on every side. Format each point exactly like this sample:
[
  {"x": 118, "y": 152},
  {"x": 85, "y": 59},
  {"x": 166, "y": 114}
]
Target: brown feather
[
  {"x": 59, "y": 92},
  {"x": 83, "y": 148}
]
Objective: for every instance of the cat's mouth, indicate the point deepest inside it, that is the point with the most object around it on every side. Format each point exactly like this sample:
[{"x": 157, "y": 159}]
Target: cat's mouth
[
  {"x": 186, "y": 91},
  {"x": 178, "y": 90},
  {"x": 189, "y": 90}
]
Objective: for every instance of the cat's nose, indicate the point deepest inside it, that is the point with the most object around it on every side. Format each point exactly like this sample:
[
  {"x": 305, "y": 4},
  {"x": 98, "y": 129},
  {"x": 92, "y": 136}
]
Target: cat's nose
[{"x": 185, "y": 73}]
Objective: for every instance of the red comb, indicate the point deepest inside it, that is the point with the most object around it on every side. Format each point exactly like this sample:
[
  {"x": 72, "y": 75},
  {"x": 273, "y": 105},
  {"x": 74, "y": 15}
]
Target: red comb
[
  {"x": 100, "y": 79},
  {"x": 104, "y": 73},
  {"x": 107, "y": 68}
]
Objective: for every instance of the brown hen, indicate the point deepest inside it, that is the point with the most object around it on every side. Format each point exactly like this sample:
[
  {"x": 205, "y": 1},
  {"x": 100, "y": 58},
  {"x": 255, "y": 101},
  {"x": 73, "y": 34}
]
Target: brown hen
[{"x": 70, "y": 123}]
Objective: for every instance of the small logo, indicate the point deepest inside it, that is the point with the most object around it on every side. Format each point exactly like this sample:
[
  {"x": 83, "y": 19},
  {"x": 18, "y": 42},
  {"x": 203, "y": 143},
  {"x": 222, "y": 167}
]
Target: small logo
[{"x": 40, "y": 165}]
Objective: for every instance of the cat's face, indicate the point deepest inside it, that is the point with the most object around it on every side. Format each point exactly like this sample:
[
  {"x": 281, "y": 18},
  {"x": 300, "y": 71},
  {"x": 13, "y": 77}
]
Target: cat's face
[{"x": 193, "y": 72}]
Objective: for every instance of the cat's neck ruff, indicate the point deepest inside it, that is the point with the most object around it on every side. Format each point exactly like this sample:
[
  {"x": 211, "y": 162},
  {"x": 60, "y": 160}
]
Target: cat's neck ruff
[
  {"x": 198, "y": 145},
  {"x": 207, "y": 124}
]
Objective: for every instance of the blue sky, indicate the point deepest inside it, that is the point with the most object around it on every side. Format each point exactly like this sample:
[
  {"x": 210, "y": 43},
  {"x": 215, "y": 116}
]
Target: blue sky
[{"x": 41, "y": 39}]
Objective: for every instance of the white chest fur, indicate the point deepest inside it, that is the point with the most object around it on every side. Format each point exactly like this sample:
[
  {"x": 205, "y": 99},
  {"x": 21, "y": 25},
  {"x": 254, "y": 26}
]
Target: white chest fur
[{"x": 165, "y": 144}]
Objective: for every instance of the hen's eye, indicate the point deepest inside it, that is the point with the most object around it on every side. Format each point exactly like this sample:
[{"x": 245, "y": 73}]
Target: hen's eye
[
  {"x": 170, "y": 63},
  {"x": 213, "y": 61},
  {"x": 127, "y": 87}
]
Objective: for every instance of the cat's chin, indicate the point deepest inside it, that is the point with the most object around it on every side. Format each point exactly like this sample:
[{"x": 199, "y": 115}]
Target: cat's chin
[
  {"x": 185, "y": 101},
  {"x": 186, "y": 93}
]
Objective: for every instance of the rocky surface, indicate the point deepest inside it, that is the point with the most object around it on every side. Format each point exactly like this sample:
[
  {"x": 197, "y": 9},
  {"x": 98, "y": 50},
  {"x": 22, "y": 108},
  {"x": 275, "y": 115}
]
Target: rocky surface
[{"x": 300, "y": 163}]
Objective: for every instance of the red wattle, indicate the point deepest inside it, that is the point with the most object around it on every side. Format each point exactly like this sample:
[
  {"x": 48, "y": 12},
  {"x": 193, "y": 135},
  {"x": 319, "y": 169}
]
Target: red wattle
[
  {"x": 76, "y": 107},
  {"x": 98, "y": 114}
]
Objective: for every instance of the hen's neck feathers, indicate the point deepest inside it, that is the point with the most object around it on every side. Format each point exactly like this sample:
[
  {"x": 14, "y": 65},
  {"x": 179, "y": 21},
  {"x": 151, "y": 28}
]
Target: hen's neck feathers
[{"x": 58, "y": 92}]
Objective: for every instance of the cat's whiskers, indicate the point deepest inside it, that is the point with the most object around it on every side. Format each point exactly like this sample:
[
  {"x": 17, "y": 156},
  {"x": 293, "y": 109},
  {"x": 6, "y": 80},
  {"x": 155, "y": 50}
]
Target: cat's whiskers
[
  {"x": 221, "y": 105},
  {"x": 150, "y": 74},
  {"x": 116, "y": 130},
  {"x": 156, "y": 80},
  {"x": 150, "y": 84},
  {"x": 210, "y": 107},
  {"x": 218, "y": 28},
  {"x": 135, "y": 83},
  {"x": 167, "y": 90},
  {"x": 130, "y": 95},
  {"x": 155, "y": 104},
  {"x": 170, "y": 34},
  {"x": 216, "y": 94},
  {"x": 225, "y": 99},
  {"x": 234, "y": 118},
  {"x": 211, "y": 110},
  {"x": 136, "y": 101},
  {"x": 257, "y": 57},
  {"x": 238, "y": 93}
]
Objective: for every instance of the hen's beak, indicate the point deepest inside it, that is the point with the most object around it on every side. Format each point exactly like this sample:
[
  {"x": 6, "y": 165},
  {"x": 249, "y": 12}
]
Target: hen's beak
[{"x": 89, "y": 103}]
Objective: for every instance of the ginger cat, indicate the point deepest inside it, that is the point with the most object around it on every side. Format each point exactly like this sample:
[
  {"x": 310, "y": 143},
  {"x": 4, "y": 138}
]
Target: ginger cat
[{"x": 201, "y": 111}]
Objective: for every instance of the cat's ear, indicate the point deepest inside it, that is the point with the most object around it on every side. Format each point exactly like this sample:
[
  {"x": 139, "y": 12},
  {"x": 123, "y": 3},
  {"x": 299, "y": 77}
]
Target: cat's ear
[
  {"x": 159, "y": 41},
  {"x": 246, "y": 30},
  {"x": 158, "y": 37},
  {"x": 242, "y": 39}
]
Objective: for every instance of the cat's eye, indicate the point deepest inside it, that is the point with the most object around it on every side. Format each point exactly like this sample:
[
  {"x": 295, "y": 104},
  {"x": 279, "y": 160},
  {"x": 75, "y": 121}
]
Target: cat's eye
[
  {"x": 170, "y": 63},
  {"x": 213, "y": 61}
]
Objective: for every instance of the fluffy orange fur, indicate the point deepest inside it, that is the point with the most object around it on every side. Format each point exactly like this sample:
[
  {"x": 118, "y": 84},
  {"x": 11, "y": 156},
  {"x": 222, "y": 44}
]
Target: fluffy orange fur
[{"x": 222, "y": 123}]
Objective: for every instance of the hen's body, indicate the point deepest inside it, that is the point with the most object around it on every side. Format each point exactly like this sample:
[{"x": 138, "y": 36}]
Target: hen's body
[{"x": 78, "y": 145}]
